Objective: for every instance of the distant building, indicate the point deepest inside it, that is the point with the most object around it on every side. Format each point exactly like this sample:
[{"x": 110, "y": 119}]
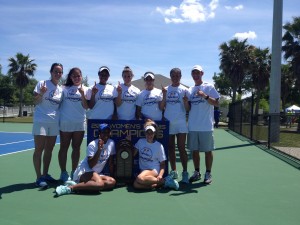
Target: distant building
[{"x": 159, "y": 81}]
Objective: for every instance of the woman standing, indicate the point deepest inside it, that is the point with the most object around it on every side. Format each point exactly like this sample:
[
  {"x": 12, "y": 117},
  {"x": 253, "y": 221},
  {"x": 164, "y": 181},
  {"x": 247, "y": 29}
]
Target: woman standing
[
  {"x": 47, "y": 97},
  {"x": 176, "y": 107},
  {"x": 102, "y": 96},
  {"x": 150, "y": 102},
  {"x": 126, "y": 106},
  {"x": 72, "y": 121}
]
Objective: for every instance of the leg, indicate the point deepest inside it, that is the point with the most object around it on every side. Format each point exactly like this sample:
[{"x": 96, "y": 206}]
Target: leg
[
  {"x": 172, "y": 154},
  {"x": 91, "y": 181},
  {"x": 49, "y": 145},
  {"x": 147, "y": 180},
  {"x": 39, "y": 142},
  {"x": 208, "y": 160},
  {"x": 196, "y": 159},
  {"x": 65, "y": 139},
  {"x": 181, "y": 138},
  {"x": 76, "y": 143}
]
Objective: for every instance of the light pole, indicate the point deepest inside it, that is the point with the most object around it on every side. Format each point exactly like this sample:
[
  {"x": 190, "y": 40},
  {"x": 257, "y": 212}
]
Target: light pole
[{"x": 275, "y": 82}]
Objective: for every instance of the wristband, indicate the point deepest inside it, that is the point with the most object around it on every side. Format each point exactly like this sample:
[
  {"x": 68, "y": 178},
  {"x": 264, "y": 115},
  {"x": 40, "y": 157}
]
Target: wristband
[{"x": 207, "y": 97}]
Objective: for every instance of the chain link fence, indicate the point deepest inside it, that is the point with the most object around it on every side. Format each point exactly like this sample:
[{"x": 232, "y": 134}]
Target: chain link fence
[{"x": 260, "y": 128}]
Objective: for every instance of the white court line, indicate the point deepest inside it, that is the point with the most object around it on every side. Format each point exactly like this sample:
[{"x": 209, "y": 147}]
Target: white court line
[
  {"x": 17, "y": 152},
  {"x": 16, "y": 142},
  {"x": 28, "y": 149},
  {"x": 7, "y": 132}
]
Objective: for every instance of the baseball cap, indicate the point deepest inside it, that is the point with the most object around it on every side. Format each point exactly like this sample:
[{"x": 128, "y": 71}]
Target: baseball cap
[
  {"x": 103, "y": 127},
  {"x": 150, "y": 128},
  {"x": 197, "y": 67},
  {"x": 103, "y": 68},
  {"x": 149, "y": 74}
]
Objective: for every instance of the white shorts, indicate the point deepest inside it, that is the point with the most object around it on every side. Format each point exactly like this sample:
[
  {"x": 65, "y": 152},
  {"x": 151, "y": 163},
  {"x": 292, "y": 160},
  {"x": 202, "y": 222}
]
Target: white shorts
[
  {"x": 202, "y": 141},
  {"x": 45, "y": 129},
  {"x": 72, "y": 126},
  {"x": 178, "y": 127}
]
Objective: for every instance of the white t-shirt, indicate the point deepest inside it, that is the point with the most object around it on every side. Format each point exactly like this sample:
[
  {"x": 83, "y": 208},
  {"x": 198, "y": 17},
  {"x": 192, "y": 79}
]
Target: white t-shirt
[
  {"x": 47, "y": 110},
  {"x": 150, "y": 154},
  {"x": 71, "y": 109},
  {"x": 104, "y": 101},
  {"x": 201, "y": 115},
  {"x": 126, "y": 111},
  {"x": 175, "y": 109},
  {"x": 109, "y": 149},
  {"x": 149, "y": 102}
]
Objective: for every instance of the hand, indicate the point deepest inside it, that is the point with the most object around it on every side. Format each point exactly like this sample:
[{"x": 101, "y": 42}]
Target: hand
[
  {"x": 100, "y": 144},
  {"x": 185, "y": 98},
  {"x": 43, "y": 88},
  {"x": 81, "y": 91},
  {"x": 159, "y": 178},
  {"x": 119, "y": 88},
  {"x": 94, "y": 89},
  {"x": 200, "y": 93},
  {"x": 163, "y": 89}
]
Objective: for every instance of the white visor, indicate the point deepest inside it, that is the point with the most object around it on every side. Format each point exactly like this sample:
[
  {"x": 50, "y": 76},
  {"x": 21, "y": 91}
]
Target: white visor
[{"x": 150, "y": 128}]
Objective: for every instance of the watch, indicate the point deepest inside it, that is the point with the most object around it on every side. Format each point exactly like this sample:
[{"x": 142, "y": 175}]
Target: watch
[{"x": 207, "y": 97}]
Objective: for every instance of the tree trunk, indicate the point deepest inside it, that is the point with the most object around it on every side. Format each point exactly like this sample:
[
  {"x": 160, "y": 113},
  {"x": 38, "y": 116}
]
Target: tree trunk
[
  {"x": 234, "y": 89},
  {"x": 21, "y": 102}
]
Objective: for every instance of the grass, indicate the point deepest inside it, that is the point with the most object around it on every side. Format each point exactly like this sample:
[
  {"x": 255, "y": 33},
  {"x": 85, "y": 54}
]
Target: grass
[{"x": 25, "y": 119}]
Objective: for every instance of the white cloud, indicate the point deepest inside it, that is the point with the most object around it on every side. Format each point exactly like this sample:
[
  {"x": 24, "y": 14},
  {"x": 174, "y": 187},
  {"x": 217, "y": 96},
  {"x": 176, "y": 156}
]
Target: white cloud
[
  {"x": 238, "y": 7},
  {"x": 189, "y": 11},
  {"x": 245, "y": 35}
]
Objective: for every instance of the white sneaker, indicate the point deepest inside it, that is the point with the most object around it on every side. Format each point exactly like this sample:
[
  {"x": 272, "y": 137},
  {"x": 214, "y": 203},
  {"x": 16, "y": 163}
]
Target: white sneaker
[{"x": 63, "y": 190}]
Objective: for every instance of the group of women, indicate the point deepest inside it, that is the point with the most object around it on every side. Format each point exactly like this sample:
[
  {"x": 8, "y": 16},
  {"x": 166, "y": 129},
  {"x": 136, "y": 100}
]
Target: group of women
[{"x": 63, "y": 109}]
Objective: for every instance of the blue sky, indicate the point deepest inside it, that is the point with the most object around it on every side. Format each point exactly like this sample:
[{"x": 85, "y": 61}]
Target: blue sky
[{"x": 154, "y": 35}]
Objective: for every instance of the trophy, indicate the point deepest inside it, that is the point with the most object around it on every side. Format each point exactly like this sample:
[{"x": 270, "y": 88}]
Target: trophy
[{"x": 124, "y": 162}]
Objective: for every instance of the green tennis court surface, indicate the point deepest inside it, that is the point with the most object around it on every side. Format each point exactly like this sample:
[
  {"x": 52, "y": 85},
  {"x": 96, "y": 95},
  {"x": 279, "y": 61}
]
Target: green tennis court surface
[{"x": 250, "y": 186}]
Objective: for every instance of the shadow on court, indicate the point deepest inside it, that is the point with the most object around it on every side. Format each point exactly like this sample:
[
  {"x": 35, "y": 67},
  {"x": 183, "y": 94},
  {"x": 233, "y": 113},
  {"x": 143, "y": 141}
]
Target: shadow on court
[{"x": 16, "y": 187}]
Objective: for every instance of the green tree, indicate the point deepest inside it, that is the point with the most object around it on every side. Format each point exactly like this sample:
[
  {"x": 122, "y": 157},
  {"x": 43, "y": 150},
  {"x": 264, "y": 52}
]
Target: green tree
[
  {"x": 260, "y": 69},
  {"x": 291, "y": 45},
  {"x": 20, "y": 69},
  {"x": 234, "y": 62},
  {"x": 287, "y": 84}
]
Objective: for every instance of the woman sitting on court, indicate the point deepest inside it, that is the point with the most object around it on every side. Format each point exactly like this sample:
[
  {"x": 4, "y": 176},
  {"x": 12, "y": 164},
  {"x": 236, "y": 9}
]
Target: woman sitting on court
[
  {"x": 152, "y": 161},
  {"x": 88, "y": 175}
]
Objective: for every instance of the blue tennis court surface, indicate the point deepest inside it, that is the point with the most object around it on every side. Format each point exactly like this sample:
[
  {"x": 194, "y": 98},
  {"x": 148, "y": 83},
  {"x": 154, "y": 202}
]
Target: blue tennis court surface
[{"x": 12, "y": 142}]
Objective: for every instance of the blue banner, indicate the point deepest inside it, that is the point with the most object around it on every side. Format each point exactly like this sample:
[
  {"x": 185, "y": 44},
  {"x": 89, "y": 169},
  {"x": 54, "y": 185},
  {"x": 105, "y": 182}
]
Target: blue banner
[{"x": 120, "y": 129}]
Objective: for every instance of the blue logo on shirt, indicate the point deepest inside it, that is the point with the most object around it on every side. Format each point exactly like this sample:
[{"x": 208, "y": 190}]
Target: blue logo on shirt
[
  {"x": 146, "y": 155},
  {"x": 173, "y": 97}
]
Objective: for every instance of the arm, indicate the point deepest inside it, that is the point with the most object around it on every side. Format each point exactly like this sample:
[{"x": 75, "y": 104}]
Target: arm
[
  {"x": 38, "y": 97},
  {"x": 118, "y": 99},
  {"x": 91, "y": 102},
  {"x": 138, "y": 112},
  {"x": 83, "y": 99},
  {"x": 161, "y": 170},
  {"x": 92, "y": 160},
  {"x": 210, "y": 100},
  {"x": 186, "y": 103},
  {"x": 162, "y": 103}
]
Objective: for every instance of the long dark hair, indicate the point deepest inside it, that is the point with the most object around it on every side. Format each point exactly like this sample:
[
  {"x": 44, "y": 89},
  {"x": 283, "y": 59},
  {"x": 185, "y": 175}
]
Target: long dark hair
[{"x": 69, "y": 81}]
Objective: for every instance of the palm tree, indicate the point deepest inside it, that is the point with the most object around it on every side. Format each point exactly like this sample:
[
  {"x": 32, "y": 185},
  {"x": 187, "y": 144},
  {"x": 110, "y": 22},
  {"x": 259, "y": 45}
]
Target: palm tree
[
  {"x": 287, "y": 84},
  {"x": 260, "y": 69},
  {"x": 21, "y": 67},
  {"x": 234, "y": 62},
  {"x": 291, "y": 46}
]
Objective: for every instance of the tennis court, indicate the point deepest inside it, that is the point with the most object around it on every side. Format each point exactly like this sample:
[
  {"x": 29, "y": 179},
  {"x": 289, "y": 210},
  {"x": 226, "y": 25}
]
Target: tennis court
[{"x": 250, "y": 186}]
